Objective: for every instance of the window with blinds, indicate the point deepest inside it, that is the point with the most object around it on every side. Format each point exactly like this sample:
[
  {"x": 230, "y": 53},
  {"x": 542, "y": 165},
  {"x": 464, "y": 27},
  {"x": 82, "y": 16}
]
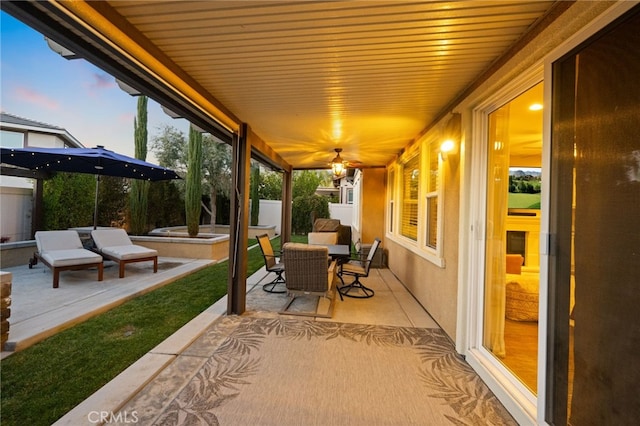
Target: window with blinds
[
  {"x": 410, "y": 189},
  {"x": 415, "y": 200},
  {"x": 432, "y": 197}
]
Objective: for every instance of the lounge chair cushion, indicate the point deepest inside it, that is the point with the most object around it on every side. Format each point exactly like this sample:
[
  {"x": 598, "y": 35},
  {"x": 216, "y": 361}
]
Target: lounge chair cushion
[
  {"x": 64, "y": 248},
  {"x": 69, "y": 257},
  {"x": 57, "y": 240},
  {"x": 128, "y": 252},
  {"x": 110, "y": 238},
  {"x": 116, "y": 243},
  {"x": 63, "y": 251}
]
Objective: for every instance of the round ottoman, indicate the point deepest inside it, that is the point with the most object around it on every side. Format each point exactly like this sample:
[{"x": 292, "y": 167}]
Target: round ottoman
[{"x": 522, "y": 297}]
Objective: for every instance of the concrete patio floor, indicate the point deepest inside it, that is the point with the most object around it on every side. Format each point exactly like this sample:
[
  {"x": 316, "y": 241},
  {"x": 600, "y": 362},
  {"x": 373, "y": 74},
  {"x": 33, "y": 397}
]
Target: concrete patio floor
[{"x": 38, "y": 311}]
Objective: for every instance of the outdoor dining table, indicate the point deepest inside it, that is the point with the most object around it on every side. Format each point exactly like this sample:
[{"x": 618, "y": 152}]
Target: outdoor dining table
[{"x": 337, "y": 251}]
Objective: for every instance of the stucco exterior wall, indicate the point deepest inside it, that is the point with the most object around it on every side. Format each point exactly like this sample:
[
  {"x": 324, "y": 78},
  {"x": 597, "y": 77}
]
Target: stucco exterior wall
[
  {"x": 434, "y": 287},
  {"x": 373, "y": 190},
  {"x": 437, "y": 288}
]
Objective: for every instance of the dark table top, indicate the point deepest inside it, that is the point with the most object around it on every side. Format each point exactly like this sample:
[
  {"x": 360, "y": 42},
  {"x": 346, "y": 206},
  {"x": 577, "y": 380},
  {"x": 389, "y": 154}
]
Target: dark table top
[{"x": 337, "y": 250}]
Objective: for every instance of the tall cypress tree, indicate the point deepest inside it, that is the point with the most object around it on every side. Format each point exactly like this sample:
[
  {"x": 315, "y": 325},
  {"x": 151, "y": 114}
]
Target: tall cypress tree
[
  {"x": 255, "y": 195},
  {"x": 139, "y": 195},
  {"x": 193, "y": 190}
]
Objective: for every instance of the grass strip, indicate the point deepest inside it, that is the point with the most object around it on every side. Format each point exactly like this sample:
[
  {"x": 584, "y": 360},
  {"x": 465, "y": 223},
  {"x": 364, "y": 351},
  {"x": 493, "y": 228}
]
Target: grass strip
[{"x": 43, "y": 382}]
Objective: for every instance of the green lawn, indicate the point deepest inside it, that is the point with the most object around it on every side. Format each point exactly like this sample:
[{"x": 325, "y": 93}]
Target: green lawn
[
  {"x": 46, "y": 380},
  {"x": 524, "y": 201}
]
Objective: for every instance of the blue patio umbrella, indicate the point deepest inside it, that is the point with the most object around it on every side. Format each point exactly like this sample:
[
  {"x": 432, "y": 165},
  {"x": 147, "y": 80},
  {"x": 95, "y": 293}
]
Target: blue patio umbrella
[{"x": 96, "y": 161}]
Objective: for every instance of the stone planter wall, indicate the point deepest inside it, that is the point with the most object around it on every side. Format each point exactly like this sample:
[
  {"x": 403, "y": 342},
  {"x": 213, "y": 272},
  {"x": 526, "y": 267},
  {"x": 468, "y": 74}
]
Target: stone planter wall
[
  {"x": 5, "y": 308},
  {"x": 17, "y": 254},
  {"x": 191, "y": 248}
]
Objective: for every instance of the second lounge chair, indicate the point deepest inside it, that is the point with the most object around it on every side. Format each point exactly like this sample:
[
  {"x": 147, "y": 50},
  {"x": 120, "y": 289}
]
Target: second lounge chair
[{"x": 115, "y": 244}]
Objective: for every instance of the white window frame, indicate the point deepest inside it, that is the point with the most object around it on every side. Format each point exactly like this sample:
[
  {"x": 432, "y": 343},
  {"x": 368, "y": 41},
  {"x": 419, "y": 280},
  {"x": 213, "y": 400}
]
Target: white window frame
[
  {"x": 390, "y": 225},
  {"x": 437, "y": 194},
  {"x": 350, "y": 195},
  {"x": 414, "y": 154},
  {"x": 419, "y": 246},
  {"x": 12, "y": 135},
  {"x": 356, "y": 217},
  {"x": 494, "y": 372}
]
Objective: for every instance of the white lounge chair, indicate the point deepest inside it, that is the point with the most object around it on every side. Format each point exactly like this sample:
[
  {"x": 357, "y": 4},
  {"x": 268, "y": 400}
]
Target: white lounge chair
[
  {"x": 63, "y": 251},
  {"x": 115, "y": 244}
]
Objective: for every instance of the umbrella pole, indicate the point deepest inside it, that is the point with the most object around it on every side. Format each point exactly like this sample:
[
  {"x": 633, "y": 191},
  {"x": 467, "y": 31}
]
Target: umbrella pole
[{"x": 95, "y": 207}]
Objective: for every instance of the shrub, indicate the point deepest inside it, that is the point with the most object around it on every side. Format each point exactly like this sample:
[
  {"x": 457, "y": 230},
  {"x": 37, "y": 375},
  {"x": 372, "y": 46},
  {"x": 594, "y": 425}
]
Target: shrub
[
  {"x": 68, "y": 201},
  {"x": 306, "y": 208}
]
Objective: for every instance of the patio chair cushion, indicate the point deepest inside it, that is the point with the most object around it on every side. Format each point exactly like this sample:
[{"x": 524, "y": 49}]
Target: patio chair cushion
[
  {"x": 354, "y": 267},
  {"x": 326, "y": 225},
  {"x": 322, "y": 237}
]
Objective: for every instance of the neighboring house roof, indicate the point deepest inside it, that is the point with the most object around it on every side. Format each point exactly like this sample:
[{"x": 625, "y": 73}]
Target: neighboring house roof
[{"x": 14, "y": 122}]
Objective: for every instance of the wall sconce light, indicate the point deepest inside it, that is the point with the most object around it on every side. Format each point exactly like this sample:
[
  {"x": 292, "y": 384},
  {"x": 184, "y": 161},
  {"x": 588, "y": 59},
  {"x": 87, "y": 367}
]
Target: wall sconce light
[
  {"x": 338, "y": 167},
  {"x": 447, "y": 147},
  {"x": 451, "y": 135}
]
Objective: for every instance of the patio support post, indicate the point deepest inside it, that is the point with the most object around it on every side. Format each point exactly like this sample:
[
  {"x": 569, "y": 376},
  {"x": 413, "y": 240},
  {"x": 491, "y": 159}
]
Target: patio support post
[
  {"x": 37, "y": 213},
  {"x": 239, "y": 229},
  {"x": 287, "y": 205}
]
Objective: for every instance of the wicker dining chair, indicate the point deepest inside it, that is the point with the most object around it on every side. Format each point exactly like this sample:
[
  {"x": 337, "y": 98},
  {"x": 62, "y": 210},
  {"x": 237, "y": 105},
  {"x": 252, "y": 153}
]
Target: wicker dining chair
[{"x": 309, "y": 274}]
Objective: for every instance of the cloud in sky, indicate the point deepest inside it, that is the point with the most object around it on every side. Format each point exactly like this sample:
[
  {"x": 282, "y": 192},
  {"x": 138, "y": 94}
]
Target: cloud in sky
[
  {"x": 99, "y": 82},
  {"x": 37, "y": 84},
  {"x": 30, "y": 96},
  {"x": 126, "y": 117}
]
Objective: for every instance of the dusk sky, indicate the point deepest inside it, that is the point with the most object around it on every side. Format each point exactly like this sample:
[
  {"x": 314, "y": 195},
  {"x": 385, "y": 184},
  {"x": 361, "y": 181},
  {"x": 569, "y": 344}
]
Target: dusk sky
[{"x": 38, "y": 84}]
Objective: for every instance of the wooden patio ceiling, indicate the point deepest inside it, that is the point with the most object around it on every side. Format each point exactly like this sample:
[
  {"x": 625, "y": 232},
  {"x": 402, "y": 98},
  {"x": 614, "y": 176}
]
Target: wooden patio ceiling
[{"x": 308, "y": 77}]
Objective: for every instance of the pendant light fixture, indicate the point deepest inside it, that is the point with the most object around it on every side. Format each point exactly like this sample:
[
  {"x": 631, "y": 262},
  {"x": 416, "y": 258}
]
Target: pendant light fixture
[{"x": 338, "y": 166}]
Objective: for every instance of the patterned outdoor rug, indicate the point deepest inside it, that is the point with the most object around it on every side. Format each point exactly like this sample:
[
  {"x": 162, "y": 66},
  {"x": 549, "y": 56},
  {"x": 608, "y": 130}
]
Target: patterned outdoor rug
[{"x": 276, "y": 371}]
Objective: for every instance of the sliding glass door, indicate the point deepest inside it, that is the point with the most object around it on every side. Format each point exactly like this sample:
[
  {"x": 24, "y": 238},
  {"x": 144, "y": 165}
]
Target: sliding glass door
[
  {"x": 511, "y": 278},
  {"x": 594, "y": 271}
]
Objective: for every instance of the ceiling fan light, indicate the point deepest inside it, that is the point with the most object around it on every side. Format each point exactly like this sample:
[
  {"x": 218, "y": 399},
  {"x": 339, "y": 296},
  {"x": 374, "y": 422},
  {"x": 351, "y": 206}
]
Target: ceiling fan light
[
  {"x": 337, "y": 168},
  {"x": 337, "y": 164}
]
